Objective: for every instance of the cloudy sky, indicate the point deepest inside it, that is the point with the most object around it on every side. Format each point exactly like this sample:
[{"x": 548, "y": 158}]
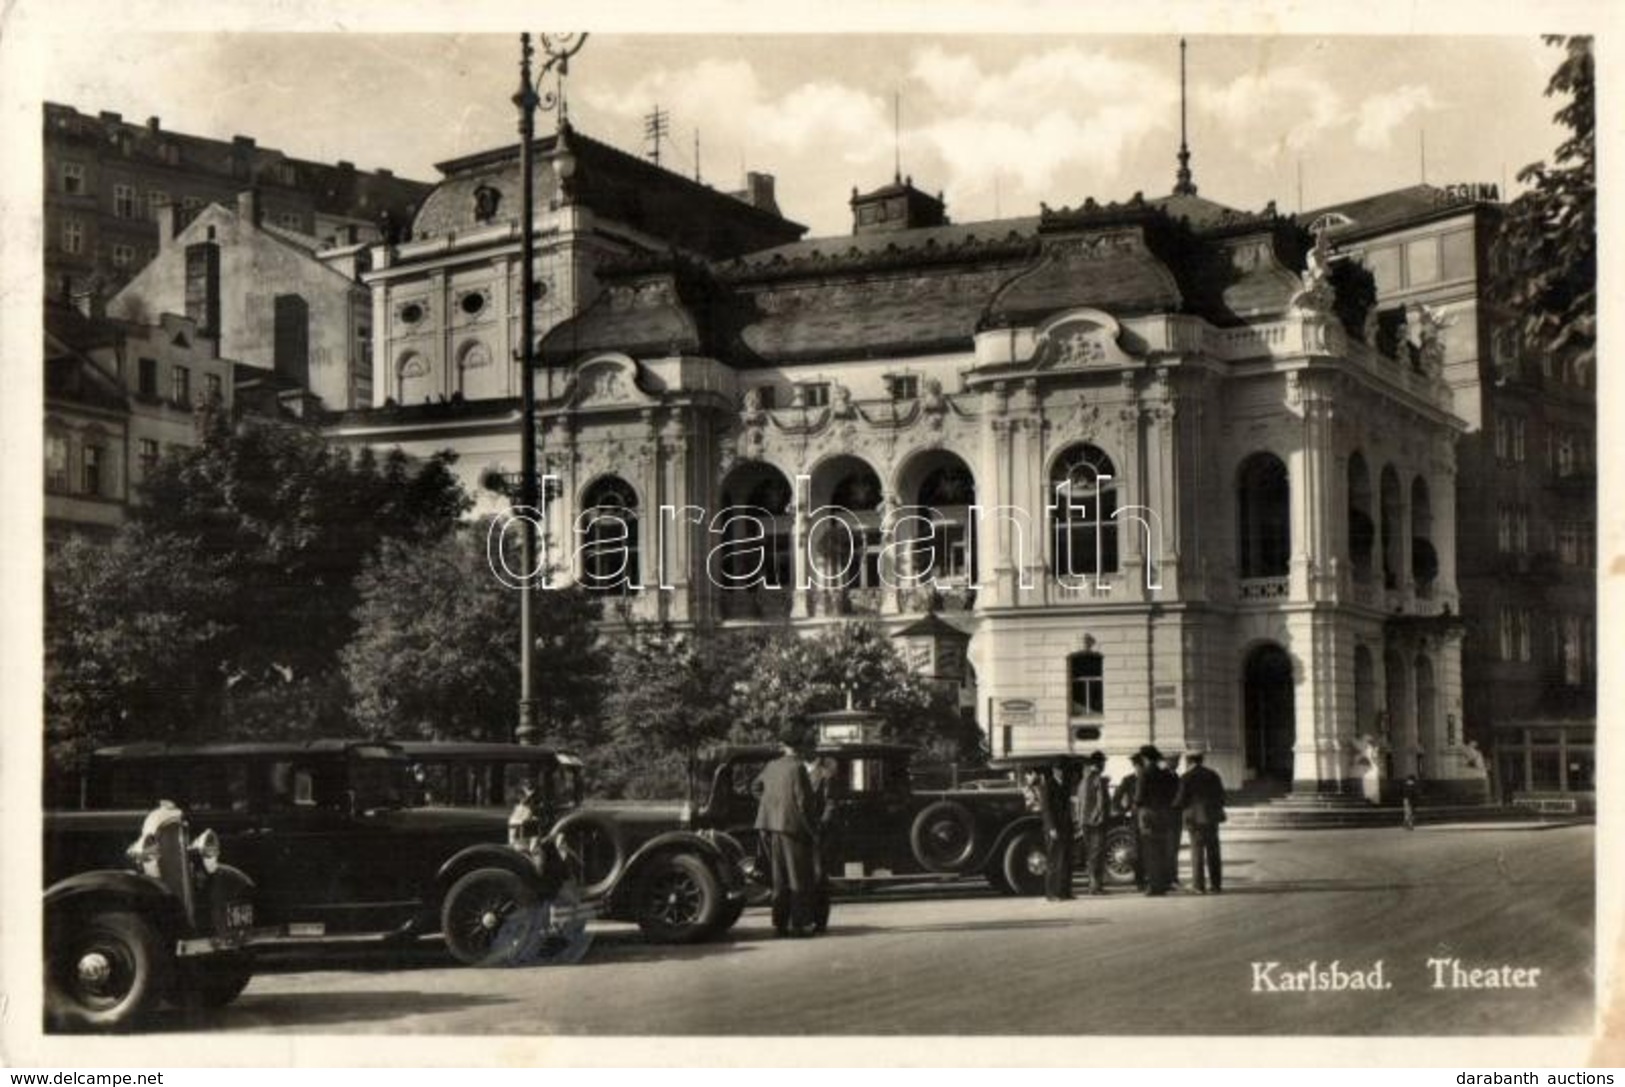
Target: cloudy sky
[{"x": 997, "y": 122}]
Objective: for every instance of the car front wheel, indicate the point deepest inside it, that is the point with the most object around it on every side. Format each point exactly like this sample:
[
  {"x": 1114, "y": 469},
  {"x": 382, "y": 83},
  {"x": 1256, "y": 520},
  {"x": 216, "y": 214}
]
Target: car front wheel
[
  {"x": 680, "y": 901},
  {"x": 1121, "y": 849},
  {"x": 488, "y": 916},
  {"x": 1025, "y": 863},
  {"x": 105, "y": 971}
]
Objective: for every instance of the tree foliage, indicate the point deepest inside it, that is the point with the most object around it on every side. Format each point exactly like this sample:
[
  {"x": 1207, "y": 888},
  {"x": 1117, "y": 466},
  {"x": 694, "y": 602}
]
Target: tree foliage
[
  {"x": 1547, "y": 247},
  {"x": 221, "y": 608},
  {"x": 133, "y": 633},
  {"x": 436, "y": 649},
  {"x": 669, "y": 695},
  {"x": 792, "y": 679}
]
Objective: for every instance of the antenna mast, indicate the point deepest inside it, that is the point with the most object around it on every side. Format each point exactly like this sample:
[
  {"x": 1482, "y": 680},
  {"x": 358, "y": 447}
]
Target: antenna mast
[
  {"x": 656, "y": 124},
  {"x": 897, "y": 135},
  {"x": 1183, "y": 185}
]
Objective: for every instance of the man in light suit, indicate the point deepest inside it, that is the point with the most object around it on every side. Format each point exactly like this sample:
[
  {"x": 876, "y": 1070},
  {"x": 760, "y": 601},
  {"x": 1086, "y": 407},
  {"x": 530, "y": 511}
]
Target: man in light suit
[
  {"x": 783, "y": 815},
  {"x": 1201, "y": 799}
]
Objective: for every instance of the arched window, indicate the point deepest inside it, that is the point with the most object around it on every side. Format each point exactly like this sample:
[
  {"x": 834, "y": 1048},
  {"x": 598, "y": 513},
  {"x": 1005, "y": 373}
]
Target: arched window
[
  {"x": 475, "y": 356},
  {"x": 1086, "y": 685},
  {"x": 1392, "y": 512},
  {"x": 608, "y": 530},
  {"x": 947, "y": 551},
  {"x": 1424, "y": 558},
  {"x": 1083, "y": 498},
  {"x": 1264, "y": 517},
  {"x": 845, "y": 534},
  {"x": 412, "y": 380},
  {"x": 1362, "y": 528},
  {"x": 751, "y": 551}
]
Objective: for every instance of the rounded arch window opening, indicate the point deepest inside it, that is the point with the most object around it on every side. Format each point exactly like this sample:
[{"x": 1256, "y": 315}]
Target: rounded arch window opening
[
  {"x": 608, "y": 530},
  {"x": 1083, "y": 497}
]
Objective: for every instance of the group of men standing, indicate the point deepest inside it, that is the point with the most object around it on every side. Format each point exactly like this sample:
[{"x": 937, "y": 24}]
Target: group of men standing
[{"x": 1155, "y": 799}]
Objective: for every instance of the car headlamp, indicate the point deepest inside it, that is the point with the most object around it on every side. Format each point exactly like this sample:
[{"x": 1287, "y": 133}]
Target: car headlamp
[
  {"x": 207, "y": 848},
  {"x": 144, "y": 854}
]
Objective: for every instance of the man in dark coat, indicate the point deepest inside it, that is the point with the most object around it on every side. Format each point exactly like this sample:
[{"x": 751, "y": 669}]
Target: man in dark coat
[
  {"x": 1123, "y": 801},
  {"x": 1154, "y": 808},
  {"x": 783, "y": 816},
  {"x": 821, "y": 813},
  {"x": 1201, "y": 801},
  {"x": 1057, "y": 812},
  {"x": 1094, "y": 809}
]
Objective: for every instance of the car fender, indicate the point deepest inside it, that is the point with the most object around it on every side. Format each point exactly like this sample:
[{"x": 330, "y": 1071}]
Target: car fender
[
  {"x": 1008, "y": 833},
  {"x": 681, "y": 841},
  {"x": 484, "y": 855},
  {"x": 122, "y": 890}
]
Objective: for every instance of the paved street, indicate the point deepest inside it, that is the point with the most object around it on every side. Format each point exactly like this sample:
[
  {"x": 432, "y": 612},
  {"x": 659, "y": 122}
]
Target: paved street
[{"x": 976, "y": 963}]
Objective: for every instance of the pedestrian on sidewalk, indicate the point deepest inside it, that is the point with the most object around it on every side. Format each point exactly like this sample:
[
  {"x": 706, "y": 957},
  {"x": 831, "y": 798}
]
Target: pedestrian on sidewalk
[
  {"x": 1058, "y": 832},
  {"x": 1408, "y": 793},
  {"x": 1200, "y": 801},
  {"x": 1154, "y": 807},
  {"x": 1123, "y": 802},
  {"x": 1094, "y": 808},
  {"x": 783, "y": 817}
]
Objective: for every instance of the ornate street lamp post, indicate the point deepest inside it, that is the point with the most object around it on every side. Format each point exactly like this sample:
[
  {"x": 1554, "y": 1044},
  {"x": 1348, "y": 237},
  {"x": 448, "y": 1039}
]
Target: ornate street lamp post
[{"x": 557, "y": 49}]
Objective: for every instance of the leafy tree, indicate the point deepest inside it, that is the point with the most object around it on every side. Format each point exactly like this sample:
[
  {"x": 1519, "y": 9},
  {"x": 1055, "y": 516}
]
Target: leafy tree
[
  {"x": 133, "y": 632},
  {"x": 436, "y": 650},
  {"x": 792, "y": 679},
  {"x": 668, "y": 697},
  {"x": 222, "y": 607},
  {"x": 1547, "y": 247}
]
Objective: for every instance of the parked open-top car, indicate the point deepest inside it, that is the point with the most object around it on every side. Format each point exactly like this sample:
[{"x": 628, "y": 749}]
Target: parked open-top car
[{"x": 171, "y": 922}]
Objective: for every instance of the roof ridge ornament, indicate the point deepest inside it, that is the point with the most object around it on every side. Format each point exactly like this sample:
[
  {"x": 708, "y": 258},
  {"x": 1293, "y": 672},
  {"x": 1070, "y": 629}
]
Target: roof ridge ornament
[{"x": 1183, "y": 184}]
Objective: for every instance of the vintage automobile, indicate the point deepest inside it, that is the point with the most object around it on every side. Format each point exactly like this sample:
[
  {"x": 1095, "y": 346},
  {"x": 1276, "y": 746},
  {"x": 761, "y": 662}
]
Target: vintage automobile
[
  {"x": 883, "y": 829},
  {"x": 172, "y": 923},
  {"x": 325, "y": 830},
  {"x": 640, "y": 863}
]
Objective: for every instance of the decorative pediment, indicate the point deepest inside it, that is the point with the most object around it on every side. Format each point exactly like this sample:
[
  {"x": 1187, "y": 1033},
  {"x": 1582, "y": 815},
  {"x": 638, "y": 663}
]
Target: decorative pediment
[
  {"x": 1078, "y": 338},
  {"x": 607, "y": 381}
]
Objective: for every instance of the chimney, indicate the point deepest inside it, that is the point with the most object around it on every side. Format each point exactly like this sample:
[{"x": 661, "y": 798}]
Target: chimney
[
  {"x": 346, "y": 167},
  {"x": 248, "y": 206},
  {"x": 759, "y": 192},
  {"x": 111, "y": 118},
  {"x": 381, "y": 172},
  {"x": 152, "y": 125},
  {"x": 166, "y": 225}
]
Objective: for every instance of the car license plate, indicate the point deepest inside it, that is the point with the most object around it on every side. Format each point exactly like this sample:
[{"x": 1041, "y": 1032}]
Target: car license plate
[
  {"x": 239, "y": 915},
  {"x": 307, "y": 928}
]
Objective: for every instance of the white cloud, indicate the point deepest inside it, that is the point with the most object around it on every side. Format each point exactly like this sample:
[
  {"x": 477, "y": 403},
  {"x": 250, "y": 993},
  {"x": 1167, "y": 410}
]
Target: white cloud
[
  {"x": 826, "y": 116},
  {"x": 1068, "y": 116},
  {"x": 1381, "y": 114},
  {"x": 1270, "y": 113}
]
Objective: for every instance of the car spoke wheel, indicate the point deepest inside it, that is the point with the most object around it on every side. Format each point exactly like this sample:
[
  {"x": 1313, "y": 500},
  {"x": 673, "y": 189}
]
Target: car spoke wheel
[
  {"x": 1121, "y": 849},
  {"x": 487, "y": 917},
  {"x": 105, "y": 972},
  {"x": 1025, "y": 862},
  {"x": 681, "y": 900}
]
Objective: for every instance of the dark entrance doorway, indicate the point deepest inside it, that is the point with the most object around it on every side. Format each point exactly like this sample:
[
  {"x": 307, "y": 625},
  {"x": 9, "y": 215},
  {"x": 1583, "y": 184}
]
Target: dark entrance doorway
[{"x": 1268, "y": 717}]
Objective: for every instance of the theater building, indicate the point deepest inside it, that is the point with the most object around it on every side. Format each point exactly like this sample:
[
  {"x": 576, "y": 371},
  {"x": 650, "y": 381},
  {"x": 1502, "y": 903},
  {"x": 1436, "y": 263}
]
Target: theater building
[{"x": 1138, "y": 462}]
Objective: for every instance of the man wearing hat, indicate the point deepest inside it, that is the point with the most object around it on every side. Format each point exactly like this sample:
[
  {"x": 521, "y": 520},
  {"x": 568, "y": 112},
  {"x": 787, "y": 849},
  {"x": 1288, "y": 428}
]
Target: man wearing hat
[
  {"x": 784, "y": 815},
  {"x": 1201, "y": 800},
  {"x": 1123, "y": 801},
  {"x": 1094, "y": 806},
  {"x": 1154, "y": 808},
  {"x": 1057, "y": 812}
]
